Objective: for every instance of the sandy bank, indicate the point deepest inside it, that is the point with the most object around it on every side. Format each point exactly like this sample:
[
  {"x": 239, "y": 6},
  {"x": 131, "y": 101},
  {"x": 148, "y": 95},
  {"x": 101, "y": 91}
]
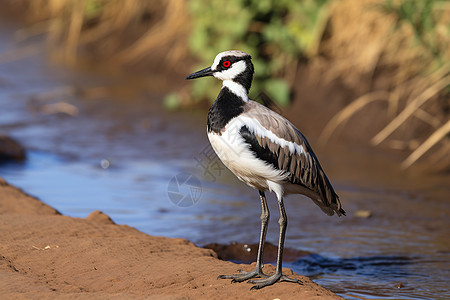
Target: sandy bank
[{"x": 44, "y": 254}]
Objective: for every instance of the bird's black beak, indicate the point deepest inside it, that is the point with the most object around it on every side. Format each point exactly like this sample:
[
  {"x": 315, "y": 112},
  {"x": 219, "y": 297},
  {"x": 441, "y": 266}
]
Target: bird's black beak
[{"x": 202, "y": 73}]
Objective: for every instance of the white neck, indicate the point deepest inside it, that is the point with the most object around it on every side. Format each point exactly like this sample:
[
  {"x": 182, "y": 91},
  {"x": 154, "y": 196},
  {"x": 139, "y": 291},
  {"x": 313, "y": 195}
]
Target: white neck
[{"x": 236, "y": 89}]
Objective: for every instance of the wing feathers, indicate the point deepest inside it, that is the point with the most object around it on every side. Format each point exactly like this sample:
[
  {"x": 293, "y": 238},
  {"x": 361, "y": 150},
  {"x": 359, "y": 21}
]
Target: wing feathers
[{"x": 288, "y": 150}]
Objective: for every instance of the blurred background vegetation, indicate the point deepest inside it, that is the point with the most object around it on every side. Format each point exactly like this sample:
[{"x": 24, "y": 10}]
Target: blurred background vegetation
[{"x": 390, "y": 57}]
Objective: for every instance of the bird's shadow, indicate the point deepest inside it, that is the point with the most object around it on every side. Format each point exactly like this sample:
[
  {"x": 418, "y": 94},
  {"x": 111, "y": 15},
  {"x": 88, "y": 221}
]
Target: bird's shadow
[{"x": 315, "y": 265}]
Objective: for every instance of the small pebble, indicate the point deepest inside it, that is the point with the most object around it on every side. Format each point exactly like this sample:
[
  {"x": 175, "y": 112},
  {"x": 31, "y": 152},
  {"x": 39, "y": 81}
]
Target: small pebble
[
  {"x": 105, "y": 164},
  {"x": 399, "y": 285},
  {"x": 363, "y": 214}
]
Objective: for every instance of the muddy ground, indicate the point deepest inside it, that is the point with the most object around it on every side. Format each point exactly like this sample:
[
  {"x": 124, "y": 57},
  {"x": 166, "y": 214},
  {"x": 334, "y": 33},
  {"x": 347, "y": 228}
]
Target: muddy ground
[{"x": 44, "y": 254}]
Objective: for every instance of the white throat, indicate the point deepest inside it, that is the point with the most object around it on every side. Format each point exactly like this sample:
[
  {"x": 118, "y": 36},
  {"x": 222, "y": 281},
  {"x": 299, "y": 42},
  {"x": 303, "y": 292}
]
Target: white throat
[{"x": 236, "y": 88}]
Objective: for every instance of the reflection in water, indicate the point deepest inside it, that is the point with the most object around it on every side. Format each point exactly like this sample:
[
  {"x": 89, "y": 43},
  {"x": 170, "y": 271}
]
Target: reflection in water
[
  {"x": 313, "y": 265},
  {"x": 401, "y": 251},
  {"x": 380, "y": 274}
]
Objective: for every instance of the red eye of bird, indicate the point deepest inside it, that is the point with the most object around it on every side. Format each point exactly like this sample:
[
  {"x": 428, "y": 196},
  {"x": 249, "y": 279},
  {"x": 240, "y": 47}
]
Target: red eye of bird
[{"x": 226, "y": 64}]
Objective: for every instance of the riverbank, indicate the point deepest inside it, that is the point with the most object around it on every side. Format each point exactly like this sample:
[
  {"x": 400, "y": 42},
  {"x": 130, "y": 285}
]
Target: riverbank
[{"x": 45, "y": 254}]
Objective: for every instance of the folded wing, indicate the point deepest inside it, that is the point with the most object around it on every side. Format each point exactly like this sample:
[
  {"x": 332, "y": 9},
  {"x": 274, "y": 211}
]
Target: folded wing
[{"x": 275, "y": 140}]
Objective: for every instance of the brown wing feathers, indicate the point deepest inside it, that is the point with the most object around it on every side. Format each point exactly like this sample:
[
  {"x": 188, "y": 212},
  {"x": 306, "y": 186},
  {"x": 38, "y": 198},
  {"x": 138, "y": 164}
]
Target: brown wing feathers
[{"x": 304, "y": 168}]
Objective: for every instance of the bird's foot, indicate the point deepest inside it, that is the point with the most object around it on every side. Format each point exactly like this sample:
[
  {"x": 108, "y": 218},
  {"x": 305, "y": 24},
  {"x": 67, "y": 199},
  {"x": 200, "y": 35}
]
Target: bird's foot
[
  {"x": 260, "y": 283},
  {"x": 243, "y": 276}
]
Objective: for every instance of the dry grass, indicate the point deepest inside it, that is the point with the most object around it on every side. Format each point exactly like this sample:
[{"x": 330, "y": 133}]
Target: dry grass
[
  {"x": 121, "y": 32},
  {"x": 435, "y": 138},
  {"x": 413, "y": 107},
  {"x": 382, "y": 63},
  {"x": 347, "y": 112}
]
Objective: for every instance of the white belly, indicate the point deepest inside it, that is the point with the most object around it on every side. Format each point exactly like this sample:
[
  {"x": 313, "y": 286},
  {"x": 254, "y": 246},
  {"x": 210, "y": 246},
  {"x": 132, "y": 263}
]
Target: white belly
[{"x": 236, "y": 156}]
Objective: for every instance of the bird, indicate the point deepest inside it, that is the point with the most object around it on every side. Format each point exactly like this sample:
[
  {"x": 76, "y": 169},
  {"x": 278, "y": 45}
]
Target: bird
[{"x": 265, "y": 151}]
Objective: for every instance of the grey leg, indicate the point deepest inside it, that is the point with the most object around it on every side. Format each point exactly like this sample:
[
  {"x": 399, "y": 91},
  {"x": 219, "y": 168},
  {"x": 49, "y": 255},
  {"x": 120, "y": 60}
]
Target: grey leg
[
  {"x": 265, "y": 215},
  {"x": 278, "y": 276}
]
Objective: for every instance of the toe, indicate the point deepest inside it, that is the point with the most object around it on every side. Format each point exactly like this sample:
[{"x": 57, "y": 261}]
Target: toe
[
  {"x": 287, "y": 279},
  {"x": 242, "y": 276},
  {"x": 260, "y": 283}
]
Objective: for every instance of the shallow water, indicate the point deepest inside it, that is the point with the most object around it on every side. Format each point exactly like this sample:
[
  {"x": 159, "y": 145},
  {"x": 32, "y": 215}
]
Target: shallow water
[{"x": 129, "y": 158}]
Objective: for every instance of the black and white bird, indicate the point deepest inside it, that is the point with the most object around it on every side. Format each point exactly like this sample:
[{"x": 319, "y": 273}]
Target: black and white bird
[{"x": 265, "y": 151}]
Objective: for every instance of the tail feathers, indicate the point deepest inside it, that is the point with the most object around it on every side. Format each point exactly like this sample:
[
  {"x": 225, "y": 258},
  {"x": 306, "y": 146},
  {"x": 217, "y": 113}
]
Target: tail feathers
[
  {"x": 330, "y": 209},
  {"x": 320, "y": 191},
  {"x": 337, "y": 206},
  {"x": 329, "y": 200}
]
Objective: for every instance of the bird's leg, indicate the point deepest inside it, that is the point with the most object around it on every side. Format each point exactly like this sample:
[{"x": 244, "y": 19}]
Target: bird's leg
[
  {"x": 278, "y": 276},
  {"x": 265, "y": 215}
]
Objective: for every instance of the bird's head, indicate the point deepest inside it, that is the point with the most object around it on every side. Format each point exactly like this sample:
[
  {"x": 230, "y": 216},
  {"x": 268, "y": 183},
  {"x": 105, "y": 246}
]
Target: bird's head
[{"x": 230, "y": 65}]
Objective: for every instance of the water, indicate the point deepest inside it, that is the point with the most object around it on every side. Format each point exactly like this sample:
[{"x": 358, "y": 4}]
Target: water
[{"x": 119, "y": 154}]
